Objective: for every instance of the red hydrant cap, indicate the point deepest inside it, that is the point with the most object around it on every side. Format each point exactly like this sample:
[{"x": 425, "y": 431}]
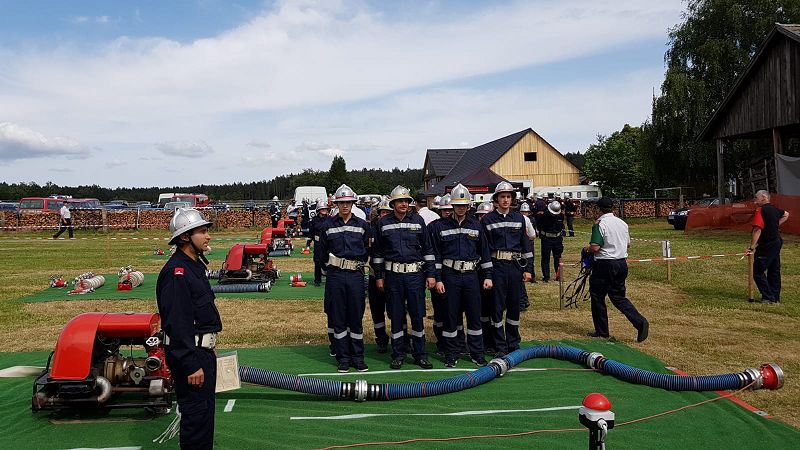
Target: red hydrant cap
[{"x": 597, "y": 401}]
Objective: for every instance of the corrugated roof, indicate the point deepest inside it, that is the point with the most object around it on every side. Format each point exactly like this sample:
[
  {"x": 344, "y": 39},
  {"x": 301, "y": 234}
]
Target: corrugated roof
[
  {"x": 444, "y": 159},
  {"x": 481, "y": 156}
]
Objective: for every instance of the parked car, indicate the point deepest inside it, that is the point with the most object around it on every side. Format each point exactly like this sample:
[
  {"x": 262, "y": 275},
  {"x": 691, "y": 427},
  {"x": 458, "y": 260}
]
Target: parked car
[
  {"x": 84, "y": 203},
  {"x": 678, "y": 217},
  {"x": 172, "y": 206},
  {"x": 219, "y": 206},
  {"x": 250, "y": 204},
  {"x": 9, "y": 206},
  {"x": 117, "y": 204},
  {"x": 40, "y": 204}
]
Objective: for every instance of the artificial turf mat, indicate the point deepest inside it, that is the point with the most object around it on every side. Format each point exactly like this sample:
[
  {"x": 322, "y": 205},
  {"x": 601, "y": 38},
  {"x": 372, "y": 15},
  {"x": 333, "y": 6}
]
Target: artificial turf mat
[
  {"x": 281, "y": 290},
  {"x": 261, "y": 417}
]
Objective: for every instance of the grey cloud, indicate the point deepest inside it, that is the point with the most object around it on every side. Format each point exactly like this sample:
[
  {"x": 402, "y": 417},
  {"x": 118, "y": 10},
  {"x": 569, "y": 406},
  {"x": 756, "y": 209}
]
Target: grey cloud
[
  {"x": 18, "y": 142},
  {"x": 185, "y": 149},
  {"x": 259, "y": 144}
]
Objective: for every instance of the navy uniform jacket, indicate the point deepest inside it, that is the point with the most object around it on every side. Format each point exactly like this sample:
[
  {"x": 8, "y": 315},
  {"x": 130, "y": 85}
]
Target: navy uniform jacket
[
  {"x": 348, "y": 241},
  {"x": 316, "y": 226},
  {"x": 465, "y": 242},
  {"x": 550, "y": 223},
  {"x": 507, "y": 232},
  {"x": 186, "y": 305},
  {"x": 403, "y": 241}
]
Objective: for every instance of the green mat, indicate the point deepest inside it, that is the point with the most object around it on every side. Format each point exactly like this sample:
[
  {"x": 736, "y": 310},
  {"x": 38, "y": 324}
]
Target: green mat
[
  {"x": 281, "y": 290},
  {"x": 521, "y": 401}
]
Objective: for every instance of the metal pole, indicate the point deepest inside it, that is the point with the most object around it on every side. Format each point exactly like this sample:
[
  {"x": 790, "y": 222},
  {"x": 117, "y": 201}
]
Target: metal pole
[{"x": 561, "y": 283}]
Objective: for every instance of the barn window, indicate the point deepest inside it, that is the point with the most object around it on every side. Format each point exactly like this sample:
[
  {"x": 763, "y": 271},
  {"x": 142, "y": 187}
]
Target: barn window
[{"x": 530, "y": 156}]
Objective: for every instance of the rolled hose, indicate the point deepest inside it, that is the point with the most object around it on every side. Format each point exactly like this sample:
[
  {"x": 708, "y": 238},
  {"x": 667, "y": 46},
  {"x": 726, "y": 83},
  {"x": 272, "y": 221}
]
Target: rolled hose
[
  {"x": 768, "y": 376},
  {"x": 241, "y": 288}
]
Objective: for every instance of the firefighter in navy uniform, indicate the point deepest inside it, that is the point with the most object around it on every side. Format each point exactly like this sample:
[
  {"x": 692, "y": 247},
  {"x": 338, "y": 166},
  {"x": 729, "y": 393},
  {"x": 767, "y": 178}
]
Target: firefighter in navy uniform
[
  {"x": 551, "y": 232},
  {"x": 377, "y": 298},
  {"x": 190, "y": 321},
  {"x": 441, "y": 206},
  {"x": 404, "y": 266},
  {"x": 461, "y": 250},
  {"x": 570, "y": 208},
  {"x": 487, "y": 296},
  {"x": 316, "y": 223},
  {"x": 512, "y": 265},
  {"x": 345, "y": 239}
]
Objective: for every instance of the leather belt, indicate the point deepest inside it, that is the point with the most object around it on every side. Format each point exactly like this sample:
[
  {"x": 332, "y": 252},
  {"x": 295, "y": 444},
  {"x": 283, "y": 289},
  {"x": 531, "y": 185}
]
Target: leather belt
[
  {"x": 506, "y": 255},
  {"x": 205, "y": 340},
  {"x": 460, "y": 266},
  {"x": 345, "y": 264},
  {"x": 403, "y": 267}
]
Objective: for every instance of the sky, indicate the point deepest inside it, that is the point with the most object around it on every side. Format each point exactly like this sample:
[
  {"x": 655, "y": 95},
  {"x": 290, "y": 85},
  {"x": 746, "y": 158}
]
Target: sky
[{"x": 154, "y": 93}]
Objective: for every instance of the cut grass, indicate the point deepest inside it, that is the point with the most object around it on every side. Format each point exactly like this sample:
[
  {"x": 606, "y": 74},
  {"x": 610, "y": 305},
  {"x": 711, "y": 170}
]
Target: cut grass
[{"x": 700, "y": 323}]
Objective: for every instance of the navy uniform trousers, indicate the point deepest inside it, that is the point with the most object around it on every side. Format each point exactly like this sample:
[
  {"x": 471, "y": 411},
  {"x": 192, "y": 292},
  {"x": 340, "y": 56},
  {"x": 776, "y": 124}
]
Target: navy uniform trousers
[
  {"x": 554, "y": 246},
  {"x": 196, "y": 404},
  {"x": 344, "y": 291},
  {"x": 506, "y": 287},
  {"x": 406, "y": 292},
  {"x": 608, "y": 278},
  {"x": 377, "y": 309},
  {"x": 487, "y": 307},
  {"x": 768, "y": 258},
  {"x": 439, "y": 305},
  {"x": 462, "y": 295}
]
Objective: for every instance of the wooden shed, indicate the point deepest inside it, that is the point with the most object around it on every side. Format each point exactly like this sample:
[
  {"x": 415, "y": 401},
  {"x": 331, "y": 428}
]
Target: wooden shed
[
  {"x": 764, "y": 102},
  {"x": 523, "y": 157}
]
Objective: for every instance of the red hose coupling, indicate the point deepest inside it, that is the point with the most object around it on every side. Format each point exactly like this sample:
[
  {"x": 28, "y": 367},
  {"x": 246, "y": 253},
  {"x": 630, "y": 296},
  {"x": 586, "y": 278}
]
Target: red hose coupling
[{"x": 772, "y": 375}]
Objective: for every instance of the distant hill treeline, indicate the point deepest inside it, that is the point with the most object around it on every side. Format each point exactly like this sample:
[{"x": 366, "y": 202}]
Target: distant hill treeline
[{"x": 364, "y": 181}]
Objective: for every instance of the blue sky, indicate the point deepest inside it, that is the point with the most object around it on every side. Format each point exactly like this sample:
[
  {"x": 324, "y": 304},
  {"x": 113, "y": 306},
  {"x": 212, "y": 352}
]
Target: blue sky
[{"x": 142, "y": 93}]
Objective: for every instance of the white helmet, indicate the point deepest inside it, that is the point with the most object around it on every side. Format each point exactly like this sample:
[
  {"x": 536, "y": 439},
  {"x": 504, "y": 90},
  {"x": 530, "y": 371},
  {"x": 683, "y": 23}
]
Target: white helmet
[
  {"x": 503, "y": 186},
  {"x": 400, "y": 193},
  {"x": 554, "y": 207},
  {"x": 384, "y": 206},
  {"x": 437, "y": 201},
  {"x": 344, "y": 194},
  {"x": 275, "y": 198},
  {"x": 484, "y": 208},
  {"x": 445, "y": 203},
  {"x": 525, "y": 207},
  {"x": 185, "y": 219},
  {"x": 460, "y": 195},
  {"x": 322, "y": 204}
]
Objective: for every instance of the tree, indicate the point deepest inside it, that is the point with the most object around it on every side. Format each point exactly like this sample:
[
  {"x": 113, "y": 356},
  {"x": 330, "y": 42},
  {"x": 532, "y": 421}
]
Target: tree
[
  {"x": 337, "y": 173},
  {"x": 708, "y": 51},
  {"x": 577, "y": 159},
  {"x": 614, "y": 162}
]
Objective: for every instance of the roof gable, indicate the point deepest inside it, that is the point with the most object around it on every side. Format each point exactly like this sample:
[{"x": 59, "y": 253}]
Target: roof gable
[
  {"x": 789, "y": 31},
  {"x": 481, "y": 156},
  {"x": 442, "y": 160}
]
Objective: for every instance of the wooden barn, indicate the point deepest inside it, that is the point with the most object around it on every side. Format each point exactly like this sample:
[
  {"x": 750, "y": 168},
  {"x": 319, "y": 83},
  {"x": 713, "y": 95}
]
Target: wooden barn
[
  {"x": 523, "y": 157},
  {"x": 764, "y": 103}
]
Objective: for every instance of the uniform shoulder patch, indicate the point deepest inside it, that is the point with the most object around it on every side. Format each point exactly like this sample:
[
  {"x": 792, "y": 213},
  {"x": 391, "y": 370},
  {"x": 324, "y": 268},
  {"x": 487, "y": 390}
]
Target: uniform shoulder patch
[{"x": 179, "y": 271}]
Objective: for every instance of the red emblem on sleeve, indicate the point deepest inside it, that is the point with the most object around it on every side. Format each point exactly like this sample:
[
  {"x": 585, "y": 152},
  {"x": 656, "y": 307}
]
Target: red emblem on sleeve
[
  {"x": 179, "y": 271},
  {"x": 758, "y": 219}
]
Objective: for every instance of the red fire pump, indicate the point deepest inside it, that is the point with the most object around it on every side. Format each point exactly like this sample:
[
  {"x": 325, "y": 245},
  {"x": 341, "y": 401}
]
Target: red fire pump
[
  {"x": 248, "y": 263},
  {"x": 89, "y": 370},
  {"x": 278, "y": 239}
]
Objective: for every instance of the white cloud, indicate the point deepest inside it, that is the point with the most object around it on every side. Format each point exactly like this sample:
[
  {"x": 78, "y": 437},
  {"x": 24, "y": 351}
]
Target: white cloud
[
  {"x": 185, "y": 149},
  {"x": 117, "y": 163},
  {"x": 332, "y": 151},
  {"x": 80, "y": 20},
  {"x": 259, "y": 144},
  {"x": 18, "y": 142}
]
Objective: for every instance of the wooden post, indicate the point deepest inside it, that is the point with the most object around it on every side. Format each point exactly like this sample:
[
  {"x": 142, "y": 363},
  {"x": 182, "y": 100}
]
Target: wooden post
[
  {"x": 666, "y": 252},
  {"x": 720, "y": 172},
  {"x": 561, "y": 283},
  {"x": 750, "y": 283},
  {"x": 105, "y": 224},
  {"x": 777, "y": 147}
]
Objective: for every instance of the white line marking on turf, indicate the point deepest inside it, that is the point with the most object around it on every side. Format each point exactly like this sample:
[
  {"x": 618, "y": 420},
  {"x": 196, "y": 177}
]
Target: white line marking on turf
[
  {"x": 380, "y": 372},
  {"x": 229, "y": 405},
  {"x": 107, "y": 448},
  {"x": 459, "y": 413}
]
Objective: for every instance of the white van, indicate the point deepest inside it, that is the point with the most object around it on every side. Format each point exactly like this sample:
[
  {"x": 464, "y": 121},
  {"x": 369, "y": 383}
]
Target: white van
[{"x": 309, "y": 194}]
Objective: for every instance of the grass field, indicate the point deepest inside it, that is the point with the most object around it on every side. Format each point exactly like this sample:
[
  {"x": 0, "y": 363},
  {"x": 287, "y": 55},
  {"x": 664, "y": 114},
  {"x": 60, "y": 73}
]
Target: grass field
[{"x": 701, "y": 322}]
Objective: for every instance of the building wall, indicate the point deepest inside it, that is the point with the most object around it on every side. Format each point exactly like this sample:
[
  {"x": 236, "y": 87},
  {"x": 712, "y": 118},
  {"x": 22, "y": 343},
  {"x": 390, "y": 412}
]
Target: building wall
[{"x": 549, "y": 169}]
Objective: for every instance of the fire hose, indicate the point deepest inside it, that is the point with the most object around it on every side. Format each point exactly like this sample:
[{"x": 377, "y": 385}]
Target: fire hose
[
  {"x": 769, "y": 376},
  {"x": 241, "y": 288},
  {"x": 128, "y": 276},
  {"x": 87, "y": 282}
]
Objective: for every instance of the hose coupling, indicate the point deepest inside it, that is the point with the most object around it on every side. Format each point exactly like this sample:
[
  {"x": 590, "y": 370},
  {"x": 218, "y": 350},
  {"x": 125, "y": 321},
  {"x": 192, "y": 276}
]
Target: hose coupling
[
  {"x": 593, "y": 359},
  {"x": 502, "y": 364},
  {"x": 361, "y": 388}
]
